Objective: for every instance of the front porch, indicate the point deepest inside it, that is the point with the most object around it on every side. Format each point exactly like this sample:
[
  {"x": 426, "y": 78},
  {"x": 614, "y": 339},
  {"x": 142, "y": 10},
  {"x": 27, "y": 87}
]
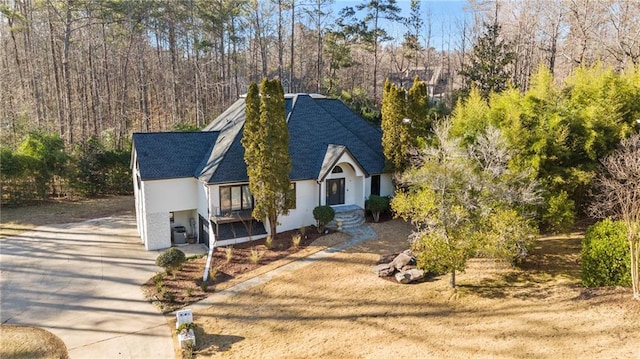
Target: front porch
[{"x": 234, "y": 225}]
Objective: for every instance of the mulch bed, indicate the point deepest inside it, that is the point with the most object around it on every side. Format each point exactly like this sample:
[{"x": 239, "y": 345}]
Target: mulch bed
[
  {"x": 185, "y": 286},
  {"x": 170, "y": 292}
]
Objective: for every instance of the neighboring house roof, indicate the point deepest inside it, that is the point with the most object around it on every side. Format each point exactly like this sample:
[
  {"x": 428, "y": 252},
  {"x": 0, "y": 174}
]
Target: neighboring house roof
[{"x": 319, "y": 130}]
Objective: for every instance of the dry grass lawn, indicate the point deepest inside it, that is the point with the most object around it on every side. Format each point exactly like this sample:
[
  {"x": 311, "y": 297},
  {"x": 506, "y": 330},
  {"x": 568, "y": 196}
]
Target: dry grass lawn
[
  {"x": 18, "y": 342},
  {"x": 15, "y": 220},
  {"x": 337, "y": 308}
]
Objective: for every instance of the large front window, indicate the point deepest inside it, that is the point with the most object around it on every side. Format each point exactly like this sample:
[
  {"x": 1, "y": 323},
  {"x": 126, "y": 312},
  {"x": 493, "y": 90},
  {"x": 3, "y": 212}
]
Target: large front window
[{"x": 235, "y": 198}]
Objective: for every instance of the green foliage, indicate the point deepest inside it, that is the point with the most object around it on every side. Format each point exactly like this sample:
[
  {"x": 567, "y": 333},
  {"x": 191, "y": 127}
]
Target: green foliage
[
  {"x": 437, "y": 254},
  {"x": 489, "y": 68},
  {"x": 506, "y": 235},
  {"x": 186, "y": 327},
  {"x": 463, "y": 200},
  {"x": 419, "y": 110},
  {"x": 358, "y": 100},
  {"x": 185, "y": 127},
  {"x": 170, "y": 259},
  {"x": 605, "y": 255},
  {"x": 45, "y": 159},
  {"x": 395, "y": 133},
  {"x": 558, "y": 132},
  {"x": 559, "y": 215},
  {"x": 377, "y": 205},
  {"x": 470, "y": 116},
  {"x": 323, "y": 215},
  {"x": 266, "y": 143},
  {"x": 99, "y": 171}
]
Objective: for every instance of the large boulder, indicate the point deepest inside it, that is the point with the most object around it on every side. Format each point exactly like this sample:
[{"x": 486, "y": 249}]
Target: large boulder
[
  {"x": 403, "y": 259},
  {"x": 384, "y": 270},
  {"x": 409, "y": 276}
]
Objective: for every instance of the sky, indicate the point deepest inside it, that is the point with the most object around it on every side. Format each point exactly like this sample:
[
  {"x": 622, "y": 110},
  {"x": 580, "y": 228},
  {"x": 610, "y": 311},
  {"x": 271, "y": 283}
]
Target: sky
[{"x": 446, "y": 19}]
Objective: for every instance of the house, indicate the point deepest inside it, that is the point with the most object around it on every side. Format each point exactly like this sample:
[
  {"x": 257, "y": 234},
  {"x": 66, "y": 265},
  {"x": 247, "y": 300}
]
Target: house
[{"x": 196, "y": 183}]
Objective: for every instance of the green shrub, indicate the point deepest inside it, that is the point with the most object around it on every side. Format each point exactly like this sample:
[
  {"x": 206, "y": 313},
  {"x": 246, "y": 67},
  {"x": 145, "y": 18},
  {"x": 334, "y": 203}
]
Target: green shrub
[
  {"x": 605, "y": 255},
  {"x": 323, "y": 215},
  {"x": 560, "y": 213},
  {"x": 377, "y": 205},
  {"x": 170, "y": 259}
]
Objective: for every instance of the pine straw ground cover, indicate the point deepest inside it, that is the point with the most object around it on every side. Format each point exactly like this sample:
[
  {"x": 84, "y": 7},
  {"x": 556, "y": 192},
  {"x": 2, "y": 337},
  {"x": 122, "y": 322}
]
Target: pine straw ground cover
[{"x": 337, "y": 307}]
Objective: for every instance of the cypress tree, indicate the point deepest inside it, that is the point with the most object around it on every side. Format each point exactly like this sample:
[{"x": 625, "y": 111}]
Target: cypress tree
[
  {"x": 418, "y": 111},
  {"x": 395, "y": 133},
  {"x": 266, "y": 143}
]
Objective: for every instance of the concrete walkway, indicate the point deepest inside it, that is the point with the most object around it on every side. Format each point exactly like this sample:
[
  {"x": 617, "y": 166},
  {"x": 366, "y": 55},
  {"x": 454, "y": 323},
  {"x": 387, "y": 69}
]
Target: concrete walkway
[
  {"x": 358, "y": 235},
  {"x": 81, "y": 281}
]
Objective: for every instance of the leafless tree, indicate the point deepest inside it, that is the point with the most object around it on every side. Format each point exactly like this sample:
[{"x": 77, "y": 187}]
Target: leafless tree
[{"x": 618, "y": 196}]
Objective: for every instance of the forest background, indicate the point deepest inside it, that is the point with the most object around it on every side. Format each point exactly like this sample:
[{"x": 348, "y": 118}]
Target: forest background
[{"x": 78, "y": 77}]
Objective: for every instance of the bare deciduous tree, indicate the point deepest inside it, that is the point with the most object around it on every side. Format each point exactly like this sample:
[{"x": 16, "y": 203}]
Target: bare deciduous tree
[{"x": 618, "y": 196}]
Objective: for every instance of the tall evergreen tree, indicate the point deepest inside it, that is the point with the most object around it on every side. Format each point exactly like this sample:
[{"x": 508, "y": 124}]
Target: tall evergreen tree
[
  {"x": 489, "y": 66},
  {"x": 418, "y": 110},
  {"x": 266, "y": 143},
  {"x": 395, "y": 130},
  {"x": 368, "y": 30}
]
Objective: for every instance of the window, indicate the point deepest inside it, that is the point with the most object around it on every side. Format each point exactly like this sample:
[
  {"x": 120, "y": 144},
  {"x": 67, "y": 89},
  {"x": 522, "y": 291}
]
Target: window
[
  {"x": 235, "y": 198},
  {"x": 337, "y": 169},
  {"x": 375, "y": 185},
  {"x": 292, "y": 193}
]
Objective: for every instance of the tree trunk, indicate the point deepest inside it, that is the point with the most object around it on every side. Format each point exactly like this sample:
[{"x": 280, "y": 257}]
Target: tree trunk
[
  {"x": 66, "y": 73},
  {"x": 634, "y": 246},
  {"x": 452, "y": 279},
  {"x": 280, "y": 44},
  {"x": 107, "y": 80},
  {"x": 56, "y": 75},
  {"x": 293, "y": 15},
  {"x": 375, "y": 59}
]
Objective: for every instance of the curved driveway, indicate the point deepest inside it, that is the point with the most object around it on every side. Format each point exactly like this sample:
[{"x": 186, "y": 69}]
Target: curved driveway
[{"x": 81, "y": 281}]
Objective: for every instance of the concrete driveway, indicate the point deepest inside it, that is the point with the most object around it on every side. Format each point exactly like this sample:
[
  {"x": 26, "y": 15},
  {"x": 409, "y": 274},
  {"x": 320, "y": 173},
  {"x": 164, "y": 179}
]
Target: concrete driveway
[{"x": 81, "y": 281}]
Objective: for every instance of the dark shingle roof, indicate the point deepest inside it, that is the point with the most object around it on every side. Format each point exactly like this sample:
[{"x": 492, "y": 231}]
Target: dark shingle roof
[
  {"x": 163, "y": 155},
  {"x": 315, "y": 123},
  {"x": 312, "y": 129}
]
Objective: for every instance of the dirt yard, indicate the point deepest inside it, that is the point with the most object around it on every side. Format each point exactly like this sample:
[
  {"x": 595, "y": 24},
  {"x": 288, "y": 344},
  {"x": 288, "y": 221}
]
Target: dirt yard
[{"x": 337, "y": 308}]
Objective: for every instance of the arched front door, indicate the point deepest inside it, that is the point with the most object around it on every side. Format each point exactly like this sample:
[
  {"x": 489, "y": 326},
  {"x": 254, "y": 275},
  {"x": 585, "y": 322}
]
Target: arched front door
[{"x": 335, "y": 191}]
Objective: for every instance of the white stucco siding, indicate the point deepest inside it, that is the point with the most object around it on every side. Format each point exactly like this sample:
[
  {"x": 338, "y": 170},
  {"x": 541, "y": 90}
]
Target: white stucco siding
[
  {"x": 158, "y": 231},
  {"x": 160, "y": 197},
  {"x": 386, "y": 185},
  {"x": 306, "y": 201},
  {"x": 171, "y": 195}
]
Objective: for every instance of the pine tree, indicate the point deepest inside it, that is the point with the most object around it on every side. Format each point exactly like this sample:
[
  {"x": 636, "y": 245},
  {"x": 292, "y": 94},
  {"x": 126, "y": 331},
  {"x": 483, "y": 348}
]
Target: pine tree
[
  {"x": 489, "y": 68},
  {"x": 266, "y": 143}
]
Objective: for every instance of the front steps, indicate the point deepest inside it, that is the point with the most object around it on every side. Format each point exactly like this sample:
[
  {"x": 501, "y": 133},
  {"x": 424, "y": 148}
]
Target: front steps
[{"x": 352, "y": 216}]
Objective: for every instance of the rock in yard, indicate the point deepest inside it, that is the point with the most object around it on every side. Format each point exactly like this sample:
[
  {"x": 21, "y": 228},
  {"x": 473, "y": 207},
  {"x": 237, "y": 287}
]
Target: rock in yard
[
  {"x": 409, "y": 276},
  {"x": 403, "y": 259},
  {"x": 384, "y": 270}
]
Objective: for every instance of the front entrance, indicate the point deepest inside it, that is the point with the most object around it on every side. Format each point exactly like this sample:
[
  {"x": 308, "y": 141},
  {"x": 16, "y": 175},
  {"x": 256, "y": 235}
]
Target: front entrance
[{"x": 335, "y": 191}]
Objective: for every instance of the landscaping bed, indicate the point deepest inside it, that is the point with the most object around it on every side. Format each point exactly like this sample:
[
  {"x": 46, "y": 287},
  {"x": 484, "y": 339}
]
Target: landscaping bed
[{"x": 185, "y": 286}]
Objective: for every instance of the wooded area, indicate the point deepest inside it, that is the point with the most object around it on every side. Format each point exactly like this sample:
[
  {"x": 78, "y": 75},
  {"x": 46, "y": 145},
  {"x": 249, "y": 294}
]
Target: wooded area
[{"x": 82, "y": 68}]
